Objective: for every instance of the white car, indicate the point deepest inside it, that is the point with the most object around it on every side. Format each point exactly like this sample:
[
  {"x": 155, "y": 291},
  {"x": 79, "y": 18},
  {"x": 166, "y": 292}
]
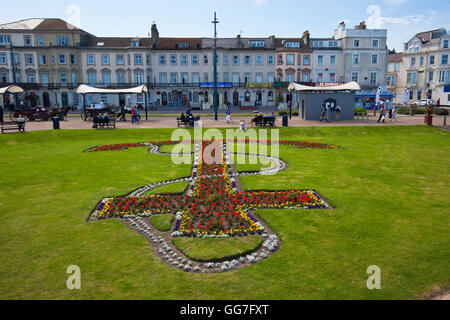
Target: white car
[{"x": 421, "y": 103}]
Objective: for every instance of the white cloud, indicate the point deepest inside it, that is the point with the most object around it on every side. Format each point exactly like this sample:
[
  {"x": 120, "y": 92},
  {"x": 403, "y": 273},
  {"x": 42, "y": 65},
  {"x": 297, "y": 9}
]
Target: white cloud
[{"x": 376, "y": 21}]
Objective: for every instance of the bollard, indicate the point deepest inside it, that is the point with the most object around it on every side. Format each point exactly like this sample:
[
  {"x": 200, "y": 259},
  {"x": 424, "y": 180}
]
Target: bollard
[{"x": 445, "y": 121}]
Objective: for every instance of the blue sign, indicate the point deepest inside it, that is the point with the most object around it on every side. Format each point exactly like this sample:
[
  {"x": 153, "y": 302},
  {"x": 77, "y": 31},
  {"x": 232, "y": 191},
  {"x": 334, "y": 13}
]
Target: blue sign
[
  {"x": 446, "y": 88},
  {"x": 219, "y": 84}
]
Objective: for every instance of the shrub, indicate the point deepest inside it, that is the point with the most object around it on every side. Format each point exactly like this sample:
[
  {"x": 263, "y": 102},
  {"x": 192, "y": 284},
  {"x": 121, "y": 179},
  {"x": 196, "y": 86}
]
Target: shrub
[
  {"x": 403, "y": 111},
  {"x": 441, "y": 112},
  {"x": 282, "y": 112},
  {"x": 295, "y": 113},
  {"x": 360, "y": 110}
]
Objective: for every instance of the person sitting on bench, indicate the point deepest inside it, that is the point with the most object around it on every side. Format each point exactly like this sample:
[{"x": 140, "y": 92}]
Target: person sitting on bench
[
  {"x": 21, "y": 121},
  {"x": 183, "y": 118},
  {"x": 122, "y": 113},
  {"x": 256, "y": 119}
]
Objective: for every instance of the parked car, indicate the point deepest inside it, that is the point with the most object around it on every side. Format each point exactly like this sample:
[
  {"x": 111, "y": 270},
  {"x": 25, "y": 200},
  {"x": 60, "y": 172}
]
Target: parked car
[{"x": 422, "y": 103}]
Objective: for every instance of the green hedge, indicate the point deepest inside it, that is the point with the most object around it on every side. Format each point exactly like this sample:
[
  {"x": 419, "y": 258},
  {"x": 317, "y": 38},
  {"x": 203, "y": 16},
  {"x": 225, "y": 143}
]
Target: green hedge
[
  {"x": 441, "y": 112},
  {"x": 360, "y": 110}
]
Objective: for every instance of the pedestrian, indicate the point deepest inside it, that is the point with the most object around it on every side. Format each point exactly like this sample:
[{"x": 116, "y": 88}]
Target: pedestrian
[
  {"x": 242, "y": 126},
  {"x": 122, "y": 113},
  {"x": 327, "y": 113},
  {"x": 323, "y": 112},
  {"x": 133, "y": 115},
  {"x": 138, "y": 116},
  {"x": 438, "y": 102},
  {"x": 338, "y": 111},
  {"x": 374, "y": 107},
  {"x": 389, "y": 104},
  {"x": 394, "y": 114},
  {"x": 228, "y": 115},
  {"x": 382, "y": 115}
]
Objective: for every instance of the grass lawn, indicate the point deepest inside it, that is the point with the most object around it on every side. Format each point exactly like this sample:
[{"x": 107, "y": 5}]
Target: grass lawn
[
  {"x": 388, "y": 186},
  {"x": 211, "y": 249},
  {"x": 162, "y": 222}
]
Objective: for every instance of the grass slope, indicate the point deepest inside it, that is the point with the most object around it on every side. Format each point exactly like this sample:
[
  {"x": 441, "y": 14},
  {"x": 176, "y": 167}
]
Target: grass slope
[{"x": 389, "y": 186}]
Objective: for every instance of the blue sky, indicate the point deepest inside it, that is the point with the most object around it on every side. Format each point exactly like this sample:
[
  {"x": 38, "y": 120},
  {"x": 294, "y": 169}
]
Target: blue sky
[{"x": 252, "y": 18}]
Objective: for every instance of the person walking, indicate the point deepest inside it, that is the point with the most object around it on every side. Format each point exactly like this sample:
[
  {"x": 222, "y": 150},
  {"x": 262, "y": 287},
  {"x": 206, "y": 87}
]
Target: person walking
[
  {"x": 438, "y": 102},
  {"x": 228, "y": 115},
  {"x": 138, "y": 116},
  {"x": 394, "y": 114},
  {"x": 338, "y": 111},
  {"x": 382, "y": 115},
  {"x": 390, "y": 107},
  {"x": 133, "y": 115}
]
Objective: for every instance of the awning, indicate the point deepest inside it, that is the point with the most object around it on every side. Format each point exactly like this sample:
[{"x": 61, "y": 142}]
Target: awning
[
  {"x": 84, "y": 89},
  {"x": 353, "y": 86},
  {"x": 11, "y": 89}
]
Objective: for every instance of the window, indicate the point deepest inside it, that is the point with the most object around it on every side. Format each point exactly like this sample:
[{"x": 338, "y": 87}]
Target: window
[
  {"x": 173, "y": 78},
  {"x": 355, "y": 59},
  {"x": 105, "y": 59},
  {"x": 195, "y": 78},
  {"x": 44, "y": 79},
  {"x": 319, "y": 59},
  {"x": 63, "y": 41},
  {"x": 259, "y": 78},
  {"x": 320, "y": 76},
  {"x": 138, "y": 59},
  {"x": 374, "y": 59},
  {"x": 205, "y": 77},
  {"x": 104, "y": 99},
  {"x": 74, "y": 78},
  {"x": 217, "y": 59},
  {"x": 259, "y": 60},
  {"x": 184, "y": 59},
  {"x": 27, "y": 41},
  {"x": 247, "y": 96},
  {"x": 355, "y": 76},
  {"x": 445, "y": 44},
  {"x": 391, "y": 81},
  {"x": 430, "y": 76},
  {"x": 73, "y": 59},
  {"x": 431, "y": 60},
  {"x": 148, "y": 60},
  {"x": 120, "y": 78},
  {"x": 194, "y": 60},
  {"x": 31, "y": 78},
  {"x": 444, "y": 59},
  {"x": 225, "y": 59},
  {"x": 5, "y": 40},
  {"x": 16, "y": 58},
  {"x": 162, "y": 59},
  {"x": 292, "y": 45},
  {"x": 396, "y": 66},
  {"x": 256, "y": 43},
  {"x": 2, "y": 58},
  {"x": 247, "y": 77},
  {"x": 120, "y": 59},
  {"x": 306, "y": 77},
  {"x": 63, "y": 78},
  {"x": 421, "y": 61},
  {"x": 205, "y": 59},
  {"x": 280, "y": 59},
  {"x": 62, "y": 59},
  {"x": 235, "y": 78},
  {"x": 139, "y": 78},
  {"x": 290, "y": 59},
  {"x": 373, "y": 78},
  {"x": 235, "y": 60},
  {"x": 173, "y": 59},
  {"x": 41, "y": 41},
  {"x": 419, "y": 94},
  {"x": 356, "y": 43},
  {"x": 29, "y": 59},
  {"x": 270, "y": 78},
  {"x": 306, "y": 60},
  {"x": 332, "y": 60},
  {"x": 317, "y": 43},
  {"x": 135, "y": 44},
  {"x": 332, "y": 77},
  {"x": 270, "y": 60},
  {"x": 444, "y": 76},
  {"x": 106, "y": 78},
  {"x": 162, "y": 78},
  {"x": 413, "y": 61},
  {"x": 411, "y": 77},
  {"x": 91, "y": 78},
  {"x": 247, "y": 60},
  {"x": 332, "y": 43},
  {"x": 375, "y": 43},
  {"x": 91, "y": 59},
  {"x": 185, "y": 77}
]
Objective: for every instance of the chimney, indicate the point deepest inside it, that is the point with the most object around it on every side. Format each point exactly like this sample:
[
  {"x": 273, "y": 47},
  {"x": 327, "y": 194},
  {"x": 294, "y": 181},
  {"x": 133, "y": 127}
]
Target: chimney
[
  {"x": 272, "y": 40},
  {"x": 155, "y": 36}
]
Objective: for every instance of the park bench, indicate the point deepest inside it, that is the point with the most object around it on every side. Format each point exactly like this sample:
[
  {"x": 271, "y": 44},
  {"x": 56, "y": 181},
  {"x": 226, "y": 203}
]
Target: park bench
[
  {"x": 105, "y": 123},
  {"x": 13, "y": 125},
  {"x": 268, "y": 121},
  {"x": 186, "y": 123}
]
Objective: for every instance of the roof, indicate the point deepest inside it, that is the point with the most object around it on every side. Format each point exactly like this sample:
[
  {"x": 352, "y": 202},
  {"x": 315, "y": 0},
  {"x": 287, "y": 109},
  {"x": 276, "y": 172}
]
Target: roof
[
  {"x": 174, "y": 43},
  {"x": 426, "y": 36},
  {"x": 395, "y": 57},
  {"x": 116, "y": 42},
  {"x": 39, "y": 24}
]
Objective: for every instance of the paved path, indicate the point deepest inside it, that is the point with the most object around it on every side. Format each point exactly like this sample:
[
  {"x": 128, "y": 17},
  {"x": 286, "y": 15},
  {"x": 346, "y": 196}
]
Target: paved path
[{"x": 208, "y": 122}]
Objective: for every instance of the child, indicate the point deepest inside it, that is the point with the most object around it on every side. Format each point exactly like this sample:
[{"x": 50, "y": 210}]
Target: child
[{"x": 242, "y": 125}]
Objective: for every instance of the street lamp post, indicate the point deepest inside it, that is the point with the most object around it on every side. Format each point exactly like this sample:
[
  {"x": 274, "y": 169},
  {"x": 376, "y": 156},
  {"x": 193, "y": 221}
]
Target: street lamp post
[
  {"x": 216, "y": 102},
  {"x": 13, "y": 63}
]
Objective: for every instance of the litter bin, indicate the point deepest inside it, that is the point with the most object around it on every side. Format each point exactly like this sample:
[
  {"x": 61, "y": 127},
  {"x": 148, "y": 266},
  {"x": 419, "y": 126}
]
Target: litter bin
[
  {"x": 285, "y": 120},
  {"x": 55, "y": 122}
]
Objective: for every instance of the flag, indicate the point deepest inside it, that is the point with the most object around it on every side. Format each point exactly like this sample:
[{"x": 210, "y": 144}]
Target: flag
[
  {"x": 378, "y": 98},
  {"x": 406, "y": 98}
]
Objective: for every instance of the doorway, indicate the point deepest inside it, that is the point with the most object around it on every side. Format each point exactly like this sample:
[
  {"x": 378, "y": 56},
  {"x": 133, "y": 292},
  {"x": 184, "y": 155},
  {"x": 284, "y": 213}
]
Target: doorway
[
  {"x": 46, "y": 99},
  {"x": 164, "y": 99},
  {"x": 235, "y": 99}
]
